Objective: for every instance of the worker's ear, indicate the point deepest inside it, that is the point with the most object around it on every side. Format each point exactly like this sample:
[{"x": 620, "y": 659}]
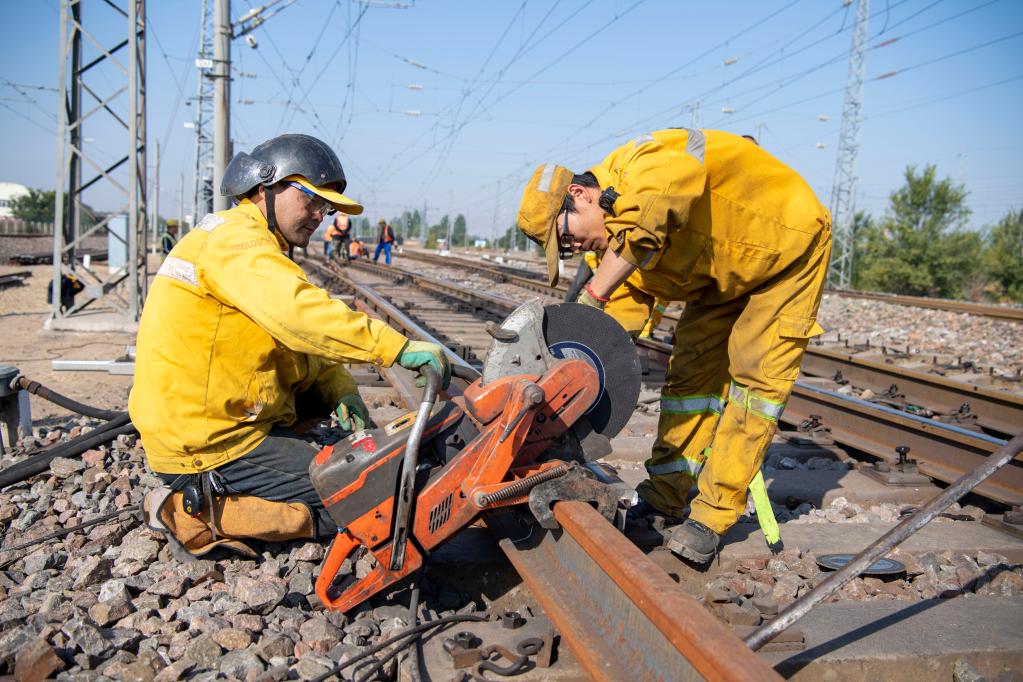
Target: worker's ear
[{"x": 578, "y": 192}]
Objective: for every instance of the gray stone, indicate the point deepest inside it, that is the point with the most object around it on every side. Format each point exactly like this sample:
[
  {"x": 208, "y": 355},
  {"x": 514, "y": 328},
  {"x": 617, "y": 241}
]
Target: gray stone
[
  {"x": 242, "y": 664},
  {"x": 89, "y": 639},
  {"x": 232, "y": 639},
  {"x": 140, "y": 549},
  {"x": 301, "y": 583},
  {"x": 318, "y": 629},
  {"x": 310, "y": 551},
  {"x": 92, "y": 571},
  {"x": 259, "y": 595},
  {"x": 40, "y": 560},
  {"x": 114, "y": 589},
  {"x": 171, "y": 586},
  {"x": 12, "y": 641},
  {"x": 276, "y": 645},
  {"x": 205, "y": 652},
  {"x": 312, "y": 665},
  {"x": 62, "y": 467},
  {"x": 363, "y": 628},
  {"x": 110, "y": 611},
  {"x": 175, "y": 671}
]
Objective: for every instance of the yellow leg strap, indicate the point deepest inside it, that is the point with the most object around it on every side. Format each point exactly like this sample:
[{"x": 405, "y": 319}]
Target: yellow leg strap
[{"x": 765, "y": 514}]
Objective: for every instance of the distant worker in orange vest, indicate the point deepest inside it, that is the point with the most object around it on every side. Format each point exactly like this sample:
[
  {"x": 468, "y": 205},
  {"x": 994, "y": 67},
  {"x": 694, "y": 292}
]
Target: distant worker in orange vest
[
  {"x": 328, "y": 240},
  {"x": 385, "y": 241},
  {"x": 342, "y": 236}
]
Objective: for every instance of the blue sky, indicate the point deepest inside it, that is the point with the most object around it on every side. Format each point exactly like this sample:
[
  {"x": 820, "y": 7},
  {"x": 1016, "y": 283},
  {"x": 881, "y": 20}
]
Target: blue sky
[{"x": 499, "y": 87}]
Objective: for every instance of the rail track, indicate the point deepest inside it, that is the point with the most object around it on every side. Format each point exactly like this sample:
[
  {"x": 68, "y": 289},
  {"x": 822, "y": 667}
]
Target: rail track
[
  {"x": 614, "y": 605},
  {"x": 535, "y": 281}
]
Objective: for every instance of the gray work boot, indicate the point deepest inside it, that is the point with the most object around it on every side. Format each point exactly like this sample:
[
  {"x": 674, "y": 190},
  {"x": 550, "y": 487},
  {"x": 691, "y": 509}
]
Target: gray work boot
[{"x": 694, "y": 541}]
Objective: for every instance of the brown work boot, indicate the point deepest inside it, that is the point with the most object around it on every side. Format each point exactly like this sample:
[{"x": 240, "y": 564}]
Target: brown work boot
[{"x": 694, "y": 541}]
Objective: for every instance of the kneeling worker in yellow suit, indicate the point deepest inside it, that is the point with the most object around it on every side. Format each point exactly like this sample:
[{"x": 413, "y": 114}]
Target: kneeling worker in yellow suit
[
  {"x": 708, "y": 218},
  {"x": 236, "y": 347}
]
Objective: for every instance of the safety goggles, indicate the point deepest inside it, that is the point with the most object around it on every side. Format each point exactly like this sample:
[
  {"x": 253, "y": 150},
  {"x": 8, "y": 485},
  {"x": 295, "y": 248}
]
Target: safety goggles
[
  {"x": 566, "y": 242},
  {"x": 317, "y": 203}
]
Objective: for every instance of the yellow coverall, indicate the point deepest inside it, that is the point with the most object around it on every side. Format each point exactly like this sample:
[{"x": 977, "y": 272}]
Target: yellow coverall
[
  {"x": 232, "y": 330},
  {"x": 714, "y": 220}
]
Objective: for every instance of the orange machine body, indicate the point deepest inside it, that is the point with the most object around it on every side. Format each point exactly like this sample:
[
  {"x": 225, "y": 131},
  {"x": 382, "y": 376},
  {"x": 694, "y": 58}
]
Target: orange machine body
[{"x": 517, "y": 418}]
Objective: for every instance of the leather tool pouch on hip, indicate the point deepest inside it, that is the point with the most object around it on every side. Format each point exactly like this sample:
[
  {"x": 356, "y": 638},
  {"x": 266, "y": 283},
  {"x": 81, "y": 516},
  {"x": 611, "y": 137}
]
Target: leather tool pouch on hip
[{"x": 234, "y": 518}]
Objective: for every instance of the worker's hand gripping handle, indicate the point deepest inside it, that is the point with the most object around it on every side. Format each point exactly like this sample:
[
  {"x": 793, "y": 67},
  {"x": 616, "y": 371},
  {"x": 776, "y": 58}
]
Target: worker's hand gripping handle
[{"x": 406, "y": 490}]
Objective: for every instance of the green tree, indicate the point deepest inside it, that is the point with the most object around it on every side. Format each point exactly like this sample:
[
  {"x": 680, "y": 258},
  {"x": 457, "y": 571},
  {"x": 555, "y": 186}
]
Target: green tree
[
  {"x": 36, "y": 206},
  {"x": 1003, "y": 256},
  {"x": 458, "y": 231},
  {"x": 920, "y": 247}
]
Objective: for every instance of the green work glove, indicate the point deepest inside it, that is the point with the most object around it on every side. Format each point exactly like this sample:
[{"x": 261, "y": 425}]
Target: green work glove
[
  {"x": 352, "y": 413},
  {"x": 415, "y": 354},
  {"x": 587, "y": 298}
]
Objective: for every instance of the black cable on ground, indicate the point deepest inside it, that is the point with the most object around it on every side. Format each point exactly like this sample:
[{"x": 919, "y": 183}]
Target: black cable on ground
[
  {"x": 413, "y": 612},
  {"x": 71, "y": 529},
  {"x": 35, "y": 388},
  {"x": 407, "y": 632},
  {"x": 40, "y": 462}
]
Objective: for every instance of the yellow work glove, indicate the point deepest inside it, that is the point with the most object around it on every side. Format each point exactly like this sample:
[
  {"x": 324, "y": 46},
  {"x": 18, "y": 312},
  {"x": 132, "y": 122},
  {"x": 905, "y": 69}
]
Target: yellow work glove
[
  {"x": 352, "y": 413},
  {"x": 415, "y": 354},
  {"x": 587, "y": 297}
]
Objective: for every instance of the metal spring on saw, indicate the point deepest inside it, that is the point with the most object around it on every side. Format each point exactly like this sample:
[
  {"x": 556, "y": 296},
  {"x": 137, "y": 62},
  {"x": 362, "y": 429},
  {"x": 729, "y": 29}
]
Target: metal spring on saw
[{"x": 522, "y": 486}]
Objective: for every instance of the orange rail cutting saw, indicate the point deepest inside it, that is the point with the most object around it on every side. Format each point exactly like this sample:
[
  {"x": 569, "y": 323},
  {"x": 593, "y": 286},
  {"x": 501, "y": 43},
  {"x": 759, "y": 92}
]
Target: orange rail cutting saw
[{"x": 557, "y": 383}]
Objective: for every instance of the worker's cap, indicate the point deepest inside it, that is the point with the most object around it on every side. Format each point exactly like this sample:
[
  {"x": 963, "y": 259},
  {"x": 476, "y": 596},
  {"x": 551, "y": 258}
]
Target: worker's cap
[
  {"x": 172, "y": 222},
  {"x": 337, "y": 200},
  {"x": 538, "y": 212},
  {"x": 382, "y": 222}
]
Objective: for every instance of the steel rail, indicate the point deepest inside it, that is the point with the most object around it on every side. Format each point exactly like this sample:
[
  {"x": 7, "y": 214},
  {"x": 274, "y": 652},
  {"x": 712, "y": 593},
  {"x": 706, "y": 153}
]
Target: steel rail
[
  {"x": 619, "y": 613},
  {"x": 1014, "y": 314},
  {"x": 996, "y": 410}
]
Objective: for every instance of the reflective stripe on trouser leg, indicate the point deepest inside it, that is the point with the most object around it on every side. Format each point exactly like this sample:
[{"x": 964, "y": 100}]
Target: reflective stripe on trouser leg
[
  {"x": 740, "y": 442},
  {"x": 685, "y": 429}
]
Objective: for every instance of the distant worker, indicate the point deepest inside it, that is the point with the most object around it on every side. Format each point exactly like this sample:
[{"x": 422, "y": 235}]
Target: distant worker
[
  {"x": 257, "y": 351},
  {"x": 701, "y": 216},
  {"x": 342, "y": 236},
  {"x": 169, "y": 238},
  {"x": 328, "y": 240},
  {"x": 384, "y": 242}
]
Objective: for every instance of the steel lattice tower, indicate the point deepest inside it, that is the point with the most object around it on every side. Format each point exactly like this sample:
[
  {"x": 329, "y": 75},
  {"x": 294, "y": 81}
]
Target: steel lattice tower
[
  {"x": 843, "y": 191},
  {"x": 106, "y": 87},
  {"x": 202, "y": 197}
]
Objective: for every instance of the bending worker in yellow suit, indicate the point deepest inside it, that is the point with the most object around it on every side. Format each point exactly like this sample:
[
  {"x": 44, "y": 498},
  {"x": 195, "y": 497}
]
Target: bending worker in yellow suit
[
  {"x": 236, "y": 347},
  {"x": 709, "y": 218}
]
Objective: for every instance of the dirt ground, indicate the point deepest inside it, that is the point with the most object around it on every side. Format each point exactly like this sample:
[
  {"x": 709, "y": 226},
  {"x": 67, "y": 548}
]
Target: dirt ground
[{"x": 25, "y": 344}]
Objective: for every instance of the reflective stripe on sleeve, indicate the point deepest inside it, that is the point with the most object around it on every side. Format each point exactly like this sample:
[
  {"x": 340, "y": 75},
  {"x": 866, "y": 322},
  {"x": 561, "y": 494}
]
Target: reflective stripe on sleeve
[
  {"x": 691, "y": 404},
  {"x": 758, "y": 405},
  {"x": 210, "y": 222},
  {"x": 179, "y": 269},
  {"x": 697, "y": 144}
]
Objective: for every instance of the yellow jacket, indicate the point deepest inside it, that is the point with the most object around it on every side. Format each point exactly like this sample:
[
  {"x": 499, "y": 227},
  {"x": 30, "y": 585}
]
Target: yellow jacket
[
  {"x": 230, "y": 332},
  {"x": 706, "y": 214}
]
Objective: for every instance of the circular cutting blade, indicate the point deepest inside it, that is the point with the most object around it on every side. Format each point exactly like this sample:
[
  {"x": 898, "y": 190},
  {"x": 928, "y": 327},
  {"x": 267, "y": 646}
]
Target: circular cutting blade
[
  {"x": 882, "y": 566},
  {"x": 573, "y": 330}
]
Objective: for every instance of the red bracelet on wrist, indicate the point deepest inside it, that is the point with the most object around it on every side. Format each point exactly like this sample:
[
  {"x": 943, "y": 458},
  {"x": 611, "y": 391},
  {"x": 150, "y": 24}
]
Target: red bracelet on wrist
[{"x": 589, "y": 291}]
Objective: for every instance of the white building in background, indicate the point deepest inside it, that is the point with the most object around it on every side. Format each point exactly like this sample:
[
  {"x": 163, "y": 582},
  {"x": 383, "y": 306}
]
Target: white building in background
[{"x": 8, "y": 191}]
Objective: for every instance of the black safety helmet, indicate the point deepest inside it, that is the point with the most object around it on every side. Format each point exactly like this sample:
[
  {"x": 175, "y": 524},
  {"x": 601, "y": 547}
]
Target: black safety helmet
[{"x": 276, "y": 159}]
